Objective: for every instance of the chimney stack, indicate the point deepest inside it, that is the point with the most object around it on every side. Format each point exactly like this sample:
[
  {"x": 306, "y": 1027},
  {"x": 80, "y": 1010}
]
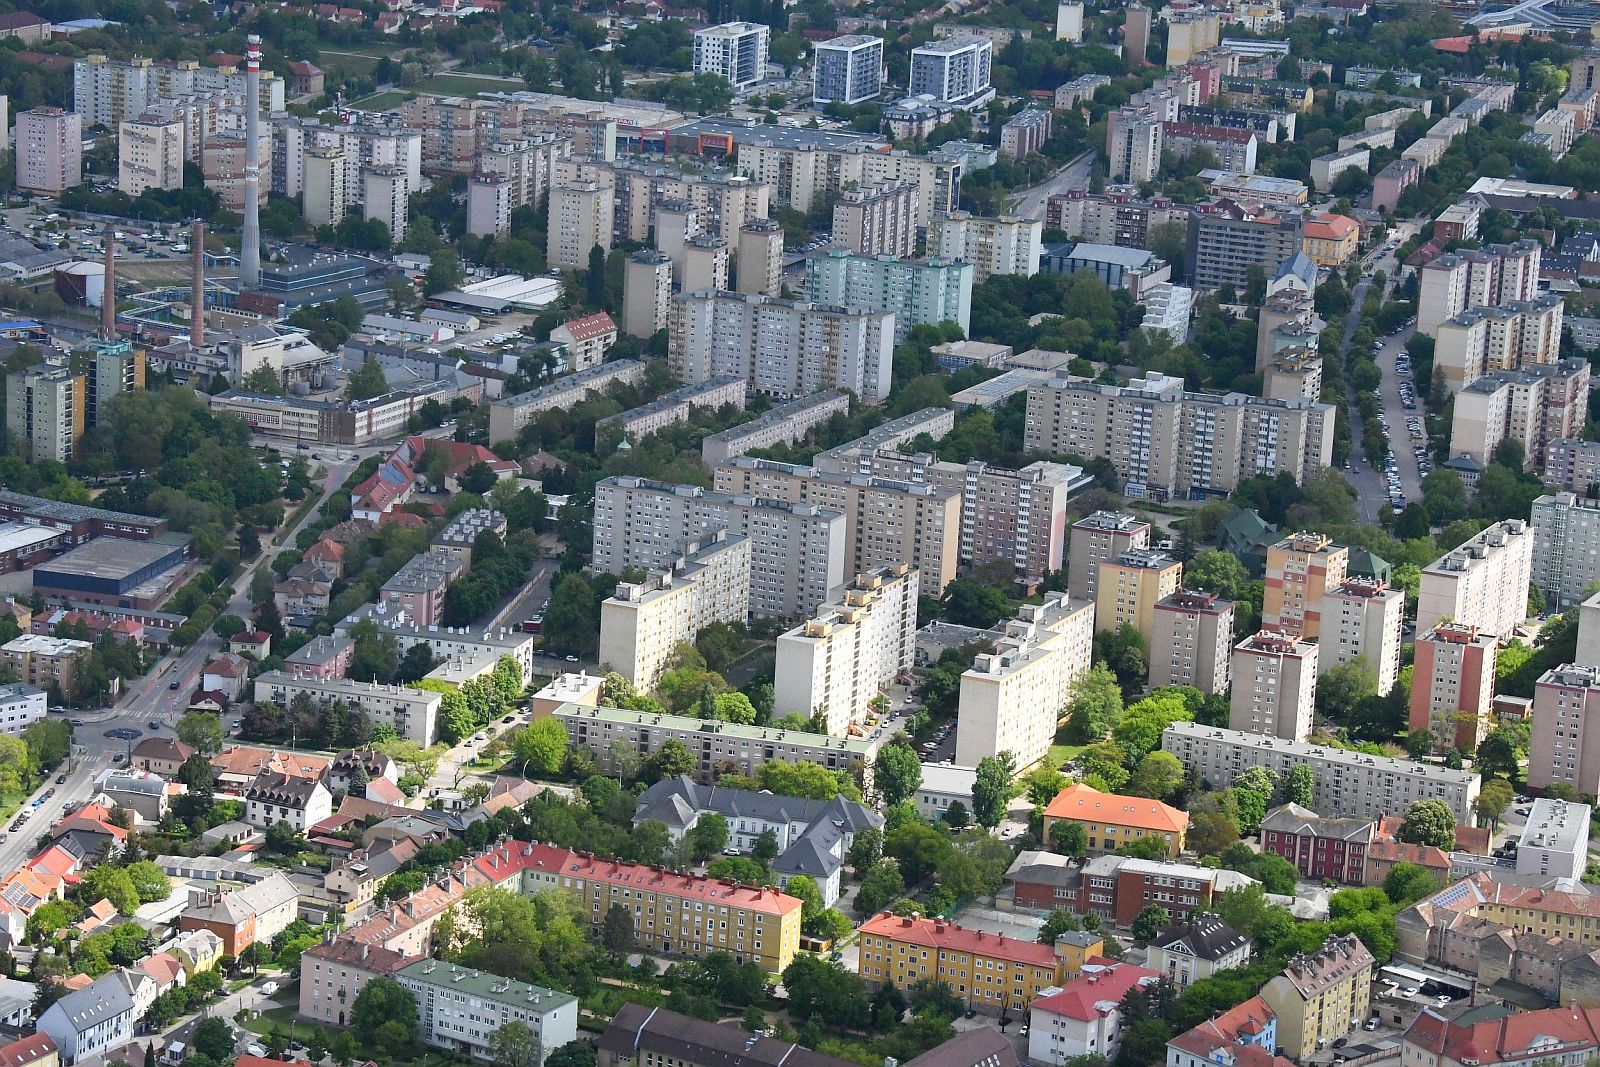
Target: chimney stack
[
  {"x": 250, "y": 238},
  {"x": 197, "y": 293},
  {"x": 108, "y": 299}
]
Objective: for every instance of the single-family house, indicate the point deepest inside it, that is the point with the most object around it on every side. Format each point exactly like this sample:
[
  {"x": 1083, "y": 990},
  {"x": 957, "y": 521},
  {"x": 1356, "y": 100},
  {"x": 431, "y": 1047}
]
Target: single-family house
[
  {"x": 359, "y": 765},
  {"x": 160, "y": 755},
  {"x": 1187, "y": 952},
  {"x": 225, "y": 674},
  {"x": 197, "y": 950},
  {"x": 141, "y": 792},
  {"x": 95, "y": 1020},
  {"x": 256, "y": 644},
  {"x": 275, "y": 797}
]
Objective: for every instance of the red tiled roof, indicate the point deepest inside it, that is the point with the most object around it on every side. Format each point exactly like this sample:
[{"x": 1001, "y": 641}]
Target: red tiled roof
[
  {"x": 1102, "y": 980},
  {"x": 1195, "y": 131},
  {"x": 1079, "y": 801},
  {"x": 1243, "y": 1020},
  {"x": 935, "y": 933},
  {"x": 590, "y": 326},
  {"x": 1330, "y": 228},
  {"x": 1510, "y": 1038},
  {"x": 25, "y": 1050},
  {"x": 724, "y": 892}
]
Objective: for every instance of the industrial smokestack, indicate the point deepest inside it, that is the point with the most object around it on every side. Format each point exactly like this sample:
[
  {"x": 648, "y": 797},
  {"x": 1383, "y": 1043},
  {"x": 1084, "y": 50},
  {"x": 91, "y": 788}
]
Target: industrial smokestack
[
  {"x": 197, "y": 294},
  {"x": 108, "y": 298},
  {"x": 250, "y": 242}
]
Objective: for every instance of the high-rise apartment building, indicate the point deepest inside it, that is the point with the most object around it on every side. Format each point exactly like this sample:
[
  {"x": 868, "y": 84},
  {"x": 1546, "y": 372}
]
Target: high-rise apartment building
[
  {"x": 1288, "y": 320},
  {"x": 877, "y": 219},
  {"x": 735, "y": 50},
  {"x": 49, "y": 150},
  {"x": 835, "y": 664},
  {"x": 705, "y": 264},
  {"x": 1096, "y": 539},
  {"x": 1485, "y": 277},
  {"x": 917, "y": 291},
  {"x": 45, "y": 411},
  {"x": 368, "y": 144},
  {"x": 643, "y": 622},
  {"x": 723, "y": 201},
  {"x": 955, "y": 70},
  {"x": 1069, "y": 21},
  {"x": 782, "y": 347},
  {"x": 849, "y": 70},
  {"x": 1482, "y": 583},
  {"x": 801, "y": 176},
  {"x": 1119, "y": 216},
  {"x": 1274, "y": 679},
  {"x": 111, "y": 368},
  {"x": 1566, "y": 547},
  {"x": 1133, "y": 143},
  {"x": 580, "y": 219},
  {"x": 1301, "y": 570},
  {"x": 149, "y": 154},
  {"x": 1163, "y": 441},
  {"x": 1130, "y": 586},
  {"x": 1013, "y": 698},
  {"x": 760, "y": 261},
  {"x": 513, "y": 174},
  {"x": 1008, "y": 244},
  {"x": 1025, "y": 132},
  {"x": 798, "y": 552},
  {"x": 1225, "y": 243},
  {"x": 386, "y": 193},
  {"x": 646, "y": 293},
  {"x": 328, "y": 174},
  {"x": 1565, "y": 747},
  {"x": 887, "y": 522},
  {"x": 1136, "y": 36},
  {"x": 107, "y": 91},
  {"x": 1362, "y": 619},
  {"x": 1452, "y": 685},
  {"x": 1191, "y": 642},
  {"x": 1535, "y": 406},
  {"x": 1510, "y": 336}
]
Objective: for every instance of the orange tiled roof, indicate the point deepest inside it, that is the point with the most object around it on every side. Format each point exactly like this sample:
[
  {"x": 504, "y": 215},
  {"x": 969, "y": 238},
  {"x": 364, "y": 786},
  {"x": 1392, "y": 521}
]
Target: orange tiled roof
[
  {"x": 1082, "y": 802},
  {"x": 683, "y": 886},
  {"x": 936, "y": 933}
]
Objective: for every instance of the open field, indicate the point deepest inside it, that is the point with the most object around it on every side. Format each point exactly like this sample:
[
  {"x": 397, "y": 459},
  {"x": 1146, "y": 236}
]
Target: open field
[
  {"x": 354, "y": 62},
  {"x": 467, "y": 85},
  {"x": 382, "y": 101}
]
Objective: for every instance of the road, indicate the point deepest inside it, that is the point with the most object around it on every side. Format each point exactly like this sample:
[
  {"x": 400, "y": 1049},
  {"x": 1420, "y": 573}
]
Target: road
[{"x": 1074, "y": 175}]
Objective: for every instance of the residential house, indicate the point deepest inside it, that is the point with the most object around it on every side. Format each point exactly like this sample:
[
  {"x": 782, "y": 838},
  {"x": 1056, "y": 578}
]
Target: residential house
[
  {"x": 238, "y": 765},
  {"x": 992, "y": 973},
  {"x": 160, "y": 755},
  {"x": 256, "y": 644},
  {"x": 354, "y": 882},
  {"x": 275, "y": 797},
  {"x": 1496, "y": 1034},
  {"x": 1043, "y": 880},
  {"x": 225, "y": 674},
  {"x": 1332, "y": 849},
  {"x": 1187, "y": 952},
  {"x": 322, "y": 657},
  {"x": 1117, "y": 888},
  {"x": 95, "y": 1020},
  {"x": 197, "y": 950},
  {"x": 1112, "y": 821},
  {"x": 358, "y": 766},
  {"x": 333, "y": 974},
  {"x": 1084, "y": 1017},
  {"x": 243, "y": 916},
  {"x": 1321, "y": 996},
  {"x": 88, "y": 830},
  {"x": 141, "y": 792},
  {"x": 1243, "y": 1036}
]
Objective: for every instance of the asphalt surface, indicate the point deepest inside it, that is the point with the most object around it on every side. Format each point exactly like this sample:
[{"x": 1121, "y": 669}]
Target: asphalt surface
[{"x": 1074, "y": 175}]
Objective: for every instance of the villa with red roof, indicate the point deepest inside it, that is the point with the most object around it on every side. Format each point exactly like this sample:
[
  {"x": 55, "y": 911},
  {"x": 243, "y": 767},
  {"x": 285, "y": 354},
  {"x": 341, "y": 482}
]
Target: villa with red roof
[
  {"x": 1084, "y": 1017},
  {"x": 586, "y": 339},
  {"x": 1112, "y": 820}
]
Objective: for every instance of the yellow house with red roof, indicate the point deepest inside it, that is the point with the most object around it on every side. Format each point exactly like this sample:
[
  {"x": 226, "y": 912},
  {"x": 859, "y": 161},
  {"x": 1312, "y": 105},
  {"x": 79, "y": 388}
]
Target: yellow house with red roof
[
  {"x": 990, "y": 972},
  {"x": 1112, "y": 820},
  {"x": 1331, "y": 240}
]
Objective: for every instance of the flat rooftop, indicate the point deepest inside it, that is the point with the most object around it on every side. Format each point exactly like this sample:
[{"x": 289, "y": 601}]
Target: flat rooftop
[
  {"x": 19, "y": 536},
  {"x": 1556, "y": 825},
  {"x": 111, "y": 558}
]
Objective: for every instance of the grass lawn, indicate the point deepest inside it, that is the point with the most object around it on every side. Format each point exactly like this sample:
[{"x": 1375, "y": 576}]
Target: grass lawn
[
  {"x": 466, "y": 85},
  {"x": 278, "y": 1016},
  {"x": 353, "y": 62},
  {"x": 1059, "y": 754},
  {"x": 383, "y": 101}
]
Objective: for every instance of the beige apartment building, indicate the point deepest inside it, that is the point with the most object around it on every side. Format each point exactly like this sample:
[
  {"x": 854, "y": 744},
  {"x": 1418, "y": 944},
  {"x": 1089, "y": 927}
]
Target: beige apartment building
[
  {"x": 1133, "y": 143},
  {"x": 798, "y": 552},
  {"x": 43, "y": 661},
  {"x": 328, "y": 174},
  {"x": 1164, "y": 442},
  {"x": 878, "y": 219},
  {"x": 887, "y": 522},
  {"x": 835, "y": 664},
  {"x": 1362, "y": 618},
  {"x": 49, "y": 150},
  {"x": 1453, "y": 672},
  {"x": 1013, "y": 698},
  {"x": 1130, "y": 586},
  {"x": 724, "y": 202},
  {"x": 803, "y": 176},
  {"x": 1482, "y": 583},
  {"x": 705, "y": 263},
  {"x": 646, "y": 293},
  {"x": 149, "y": 154},
  {"x": 1565, "y": 747},
  {"x": 644, "y": 622},
  {"x": 511, "y": 174},
  {"x": 509, "y": 414},
  {"x": 1485, "y": 277},
  {"x": 1293, "y": 374},
  {"x": 386, "y": 193},
  {"x": 760, "y": 260},
  {"x": 580, "y": 219},
  {"x": 1274, "y": 679},
  {"x": 1535, "y": 406},
  {"x": 46, "y": 411},
  {"x": 1482, "y": 340},
  {"x": 1301, "y": 569},
  {"x": 1323, "y": 996},
  {"x": 1192, "y": 641},
  {"x": 781, "y": 424},
  {"x": 1007, "y": 244},
  {"x": 1094, "y": 540}
]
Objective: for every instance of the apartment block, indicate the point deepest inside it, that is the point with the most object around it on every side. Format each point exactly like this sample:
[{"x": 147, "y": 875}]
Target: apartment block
[
  {"x": 49, "y": 150},
  {"x": 413, "y": 713},
  {"x": 1190, "y": 34},
  {"x": 461, "y": 1009},
  {"x": 887, "y": 522},
  {"x": 835, "y": 664},
  {"x": 1452, "y": 684},
  {"x": 1509, "y": 336},
  {"x": 386, "y": 195},
  {"x": 1097, "y": 539},
  {"x": 45, "y": 662},
  {"x": 1117, "y": 888},
  {"x": 858, "y": 456},
  {"x": 418, "y": 587},
  {"x": 329, "y": 174},
  {"x": 1293, "y": 374},
  {"x": 1129, "y": 587},
  {"x": 671, "y": 408},
  {"x": 1025, "y": 132},
  {"x": 1019, "y": 517},
  {"x": 1274, "y": 685},
  {"x": 580, "y": 219},
  {"x": 149, "y": 154},
  {"x": 1167, "y": 308},
  {"x": 705, "y": 264},
  {"x": 917, "y": 292},
  {"x": 646, "y": 293},
  {"x": 1006, "y": 973},
  {"x": 644, "y": 622},
  {"x": 1347, "y": 784},
  {"x": 736, "y": 51},
  {"x": 1482, "y": 583},
  {"x": 798, "y": 552},
  {"x": 1574, "y": 465},
  {"x": 1288, "y": 319},
  {"x": 1555, "y": 840},
  {"x": 508, "y": 415},
  {"x": 1566, "y": 547},
  {"x": 1191, "y": 641},
  {"x": 1319, "y": 848},
  {"x": 512, "y": 174},
  {"x": 1134, "y": 144},
  {"x": 1225, "y": 241},
  {"x": 1534, "y": 406},
  {"x": 1012, "y": 699},
  {"x": 760, "y": 258},
  {"x": 803, "y": 175},
  {"x": 1007, "y": 244},
  {"x": 1234, "y": 150},
  {"x": 369, "y": 145},
  {"x": 878, "y": 219},
  {"x": 953, "y": 70},
  {"x": 1301, "y": 570},
  {"x": 783, "y": 347},
  {"x": 783, "y": 424},
  {"x": 1565, "y": 747},
  {"x": 849, "y": 70},
  {"x": 1322, "y": 996},
  {"x": 1164, "y": 441},
  {"x": 1486, "y": 277},
  {"x": 107, "y": 91},
  {"x": 1362, "y": 619}
]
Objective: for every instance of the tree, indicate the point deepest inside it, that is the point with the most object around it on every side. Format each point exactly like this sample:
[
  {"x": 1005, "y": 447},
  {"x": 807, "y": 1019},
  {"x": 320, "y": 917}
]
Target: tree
[
  {"x": 384, "y": 1016},
  {"x": 896, "y": 772},
  {"x": 1342, "y": 688},
  {"x": 882, "y": 884},
  {"x": 513, "y": 1044},
  {"x": 1252, "y": 791},
  {"x": 819, "y": 989},
  {"x": 578, "y": 1053},
  {"x": 1497, "y": 754},
  {"x": 572, "y": 621},
  {"x": 213, "y": 1038},
  {"x": 477, "y": 479},
  {"x": 1159, "y": 776},
  {"x": 1069, "y": 838},
  {"x": 1407, "y": 883},
  {"x": 1299, "y": 785},
  {"x": 1095, "y": 707},
  {"x": 765, "y": 849},
  {"x": 991, "y": 789},
  {"x": 671, "y": 760},
  {"x": 1217, "y": 572},
  {"x": 106, "y": 882},
  {"x": 595, "y": 279},
  {"x": 366, "y": 382},
  {"x": 201, "y": 731},
  {"x": 149, "y": 881},
  {"x": 969, "y": 602},
  {"x": 1493, "y": 799},
  {"x": 541, "y": 746},
  {"x": 617, "y": 933},
  {"x": 1210, "y": 833},
  {"x": 1430, "y": 822},
  {"x": 707, "y": 837},
  {"x": 1148, "y": 923},
  {"x": 444, "y": 272}
]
